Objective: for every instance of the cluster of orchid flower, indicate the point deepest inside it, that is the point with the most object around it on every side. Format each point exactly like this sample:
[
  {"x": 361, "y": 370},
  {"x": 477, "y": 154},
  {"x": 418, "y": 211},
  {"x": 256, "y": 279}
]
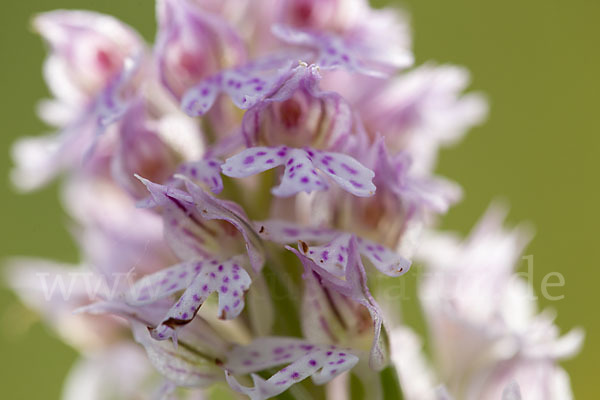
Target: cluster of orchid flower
[{"x": 277, "y": 154}]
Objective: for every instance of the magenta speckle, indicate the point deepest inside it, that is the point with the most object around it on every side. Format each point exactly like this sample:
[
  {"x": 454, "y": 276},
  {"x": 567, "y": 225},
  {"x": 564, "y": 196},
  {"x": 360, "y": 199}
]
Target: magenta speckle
[{"x": 349, "y": 169}]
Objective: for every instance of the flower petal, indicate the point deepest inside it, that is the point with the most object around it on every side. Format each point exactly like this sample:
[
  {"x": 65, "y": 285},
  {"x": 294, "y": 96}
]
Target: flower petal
[
  {"x": 181, "y": 366},
  {"x": 305, "y": 359},
  {"x": 197, "y": 100},
  {"x": 228, "y": 279},
  {"x": 351, "y": 175},
  {"x": 385, "y": 260},
  {"x": 332, "y": 251},
  {"x": 186, "y": 214},
  {"x": 212, "y": 208},
  {"x": 163, "y": 283},
  {"x": 355, "y": 287},
  {"x": 246, "y": 85},
  {"x": 511, "y": 392},
  {"x": 300, "y": 169},
  {"x": 206, "y": 171},
  {"x": 192, "y": 44},
  {"x": 350, "y": 53}
]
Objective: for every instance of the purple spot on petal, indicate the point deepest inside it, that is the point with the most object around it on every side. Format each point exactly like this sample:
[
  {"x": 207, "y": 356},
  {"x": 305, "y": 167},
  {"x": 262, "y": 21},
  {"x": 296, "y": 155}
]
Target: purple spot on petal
[{"x": 349, "y": 169}]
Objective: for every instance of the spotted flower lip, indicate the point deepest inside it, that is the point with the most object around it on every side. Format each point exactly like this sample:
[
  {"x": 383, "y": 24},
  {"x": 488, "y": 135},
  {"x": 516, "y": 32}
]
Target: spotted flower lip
[
  {"x": 246, "y": 85},
  {"x": 332, "y": 250},
  {"x": 301, "y": 166},
  {"x": 199, "y": 280},
  {"x": 322, "y": 363}
]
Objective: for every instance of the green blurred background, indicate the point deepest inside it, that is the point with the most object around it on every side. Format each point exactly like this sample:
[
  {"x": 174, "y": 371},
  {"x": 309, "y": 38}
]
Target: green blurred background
[{"x": 537, "y": 60}]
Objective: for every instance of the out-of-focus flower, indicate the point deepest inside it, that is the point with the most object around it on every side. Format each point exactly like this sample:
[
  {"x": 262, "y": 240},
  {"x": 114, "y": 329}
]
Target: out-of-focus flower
[
  {"x": 91, "y": 71},
  {"x": 482, "y": 319},
  {"x": 192, "y": 45}
]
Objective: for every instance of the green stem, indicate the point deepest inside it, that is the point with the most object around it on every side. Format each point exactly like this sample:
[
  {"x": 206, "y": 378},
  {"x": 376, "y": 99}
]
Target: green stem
[{"x": 390, "y": 384}]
